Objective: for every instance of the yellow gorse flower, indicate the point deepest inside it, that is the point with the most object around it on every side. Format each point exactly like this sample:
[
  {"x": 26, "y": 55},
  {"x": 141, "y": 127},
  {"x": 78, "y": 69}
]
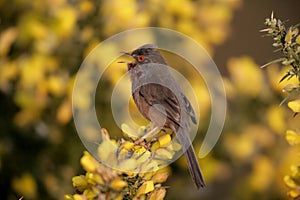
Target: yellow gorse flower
[{"x": 135, "y": 172}]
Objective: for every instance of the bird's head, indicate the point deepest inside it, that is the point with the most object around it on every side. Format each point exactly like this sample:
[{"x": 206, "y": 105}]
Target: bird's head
[{"x": 147, "y": 53}]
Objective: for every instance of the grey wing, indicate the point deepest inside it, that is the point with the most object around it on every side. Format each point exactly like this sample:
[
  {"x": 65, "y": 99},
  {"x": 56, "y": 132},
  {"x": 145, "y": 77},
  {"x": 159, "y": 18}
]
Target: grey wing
[{"x": 155, "y": 94}]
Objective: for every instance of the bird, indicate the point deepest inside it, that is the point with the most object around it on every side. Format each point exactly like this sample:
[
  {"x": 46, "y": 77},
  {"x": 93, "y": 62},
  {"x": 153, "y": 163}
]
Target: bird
[{"x": 160, "y": 100}]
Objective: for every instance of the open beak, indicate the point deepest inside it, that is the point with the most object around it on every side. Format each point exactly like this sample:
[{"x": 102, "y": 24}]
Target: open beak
[{"x": 127, "y": 54}]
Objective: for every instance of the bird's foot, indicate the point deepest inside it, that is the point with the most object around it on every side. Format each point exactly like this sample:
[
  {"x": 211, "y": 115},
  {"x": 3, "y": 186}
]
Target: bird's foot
[{"x": 152, "y": 132}]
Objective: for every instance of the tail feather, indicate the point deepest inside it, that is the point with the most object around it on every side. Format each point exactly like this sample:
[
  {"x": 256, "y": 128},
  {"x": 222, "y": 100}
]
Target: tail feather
[
  {"x": 194, "y": 167},
  {"x": 182, "y": 135}
]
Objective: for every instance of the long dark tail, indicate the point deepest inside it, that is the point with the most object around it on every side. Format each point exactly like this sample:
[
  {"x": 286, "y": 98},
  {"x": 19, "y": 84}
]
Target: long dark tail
[
  {"x": 194, "y": 167},
  {"x": 187, "y": 146}
]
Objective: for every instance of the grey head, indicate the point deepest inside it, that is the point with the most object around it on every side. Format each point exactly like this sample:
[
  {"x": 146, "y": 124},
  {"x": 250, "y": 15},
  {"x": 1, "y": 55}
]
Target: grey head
[
  {"x": 148, "y": 53},
  {"x": 148, "y": 63}
]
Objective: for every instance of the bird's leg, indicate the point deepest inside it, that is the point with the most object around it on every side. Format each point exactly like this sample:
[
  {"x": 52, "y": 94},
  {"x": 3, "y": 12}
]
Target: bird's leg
[{"x": 149, "y": 133}]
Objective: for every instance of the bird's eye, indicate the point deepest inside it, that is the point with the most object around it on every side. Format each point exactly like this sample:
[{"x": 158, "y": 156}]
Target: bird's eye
[{"x": 140, "y": 58}]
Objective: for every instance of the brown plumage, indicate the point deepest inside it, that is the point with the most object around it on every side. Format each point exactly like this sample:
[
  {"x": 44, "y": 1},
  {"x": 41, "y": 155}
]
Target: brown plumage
[{"x": 160, "y": 100}]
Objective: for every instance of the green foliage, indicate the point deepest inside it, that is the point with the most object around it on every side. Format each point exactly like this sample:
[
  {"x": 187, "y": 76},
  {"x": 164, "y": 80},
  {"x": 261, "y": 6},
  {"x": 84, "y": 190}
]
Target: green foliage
[{"x": 287, "y": 40}]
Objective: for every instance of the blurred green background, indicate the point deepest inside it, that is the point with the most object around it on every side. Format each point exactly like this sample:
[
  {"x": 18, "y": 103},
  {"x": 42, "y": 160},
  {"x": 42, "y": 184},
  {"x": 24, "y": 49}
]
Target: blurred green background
[{"x": 42, "y": 44}]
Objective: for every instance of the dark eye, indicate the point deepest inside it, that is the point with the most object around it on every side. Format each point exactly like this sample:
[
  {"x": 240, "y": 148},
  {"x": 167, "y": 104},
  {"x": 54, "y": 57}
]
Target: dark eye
[{"x": 140, "y": 58}]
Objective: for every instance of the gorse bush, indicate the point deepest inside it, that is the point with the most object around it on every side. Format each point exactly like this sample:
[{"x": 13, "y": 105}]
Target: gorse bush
[{"x": 287, "y": 40}]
